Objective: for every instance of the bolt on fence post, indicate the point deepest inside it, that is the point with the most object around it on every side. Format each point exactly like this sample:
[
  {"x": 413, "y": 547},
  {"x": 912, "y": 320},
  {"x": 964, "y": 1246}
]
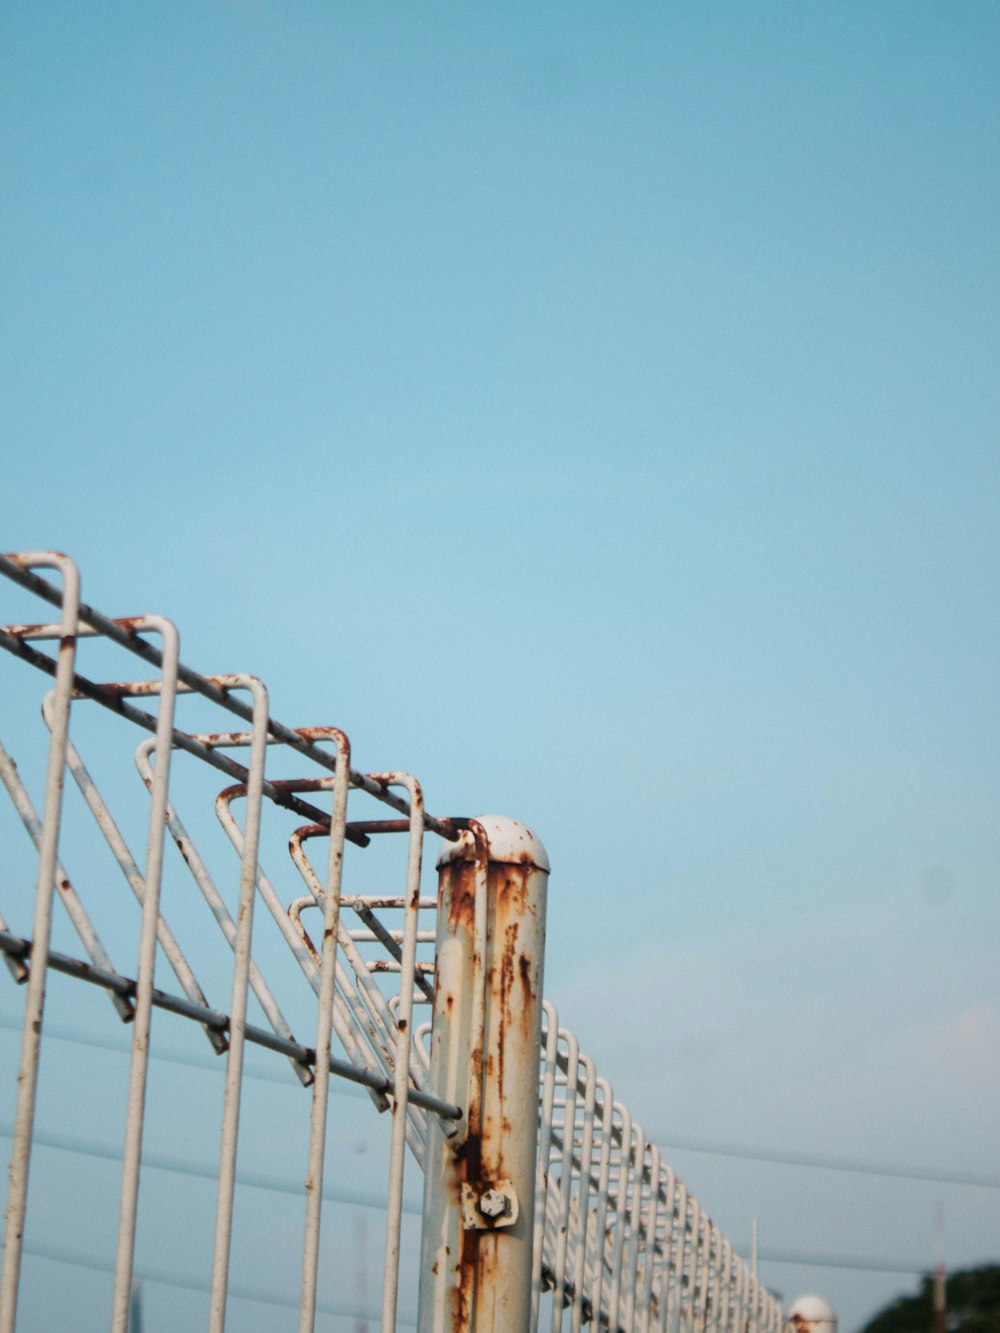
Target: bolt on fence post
[{"x": 479, "y": 1173}]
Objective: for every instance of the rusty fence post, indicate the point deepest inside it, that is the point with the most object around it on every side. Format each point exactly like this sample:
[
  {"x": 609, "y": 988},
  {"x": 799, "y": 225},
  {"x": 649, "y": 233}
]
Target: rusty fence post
[{"x": 479, "y": 1173}]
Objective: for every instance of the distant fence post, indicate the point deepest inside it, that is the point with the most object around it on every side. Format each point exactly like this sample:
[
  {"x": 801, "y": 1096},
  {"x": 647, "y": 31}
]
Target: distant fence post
[{"x": 479, "y": 1173}]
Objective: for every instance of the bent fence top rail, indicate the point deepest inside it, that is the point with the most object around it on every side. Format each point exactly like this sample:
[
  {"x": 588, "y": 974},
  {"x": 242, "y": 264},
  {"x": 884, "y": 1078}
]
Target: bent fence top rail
[{"x": 543, "y": 1202}]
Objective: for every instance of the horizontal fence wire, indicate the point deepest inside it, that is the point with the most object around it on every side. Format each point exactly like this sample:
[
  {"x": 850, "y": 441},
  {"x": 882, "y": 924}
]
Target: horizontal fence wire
[{"x": 619, "y": 1244}]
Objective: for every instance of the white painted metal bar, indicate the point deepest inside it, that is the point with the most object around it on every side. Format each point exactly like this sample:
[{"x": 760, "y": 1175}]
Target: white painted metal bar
[
  {"x": 583, "y": 1196},
  {"x": 668, "y": 1278},
  {"x": 354, "y": 1038},
  {"x": 324, "y": 1027},
  {"x": 238, "y": 1007},
  {"x": 361, "y": 1015},
  {"x": 565, "y": 1175},
  {"x": 27, "y": 1079},
  {"x": 623, "y": 1133},
  {"x": 17, "y": 947},
  {"x": 651, "y": 1258},
  {"x": 199, "y": 872},
  {"x": 130, "y": 869},
  {"x": 404, "y": 1044},
  {"x": 135, "y": 1114},
  {"x": 604, "y": 1194},
  {"x": 725, "y": 1273},
  {"x": 367, "y": 1003},
  {"x": 698, "y": 1262},
  {"x": 550, "y": 1031},
  {"x": 715, "y": 1278},
  {"x": 683, "y": 1261},
  {"x": 651, "y": 1207},
  {"x": 634, "y": 1226},
  {"x": 82, "y": 923}
]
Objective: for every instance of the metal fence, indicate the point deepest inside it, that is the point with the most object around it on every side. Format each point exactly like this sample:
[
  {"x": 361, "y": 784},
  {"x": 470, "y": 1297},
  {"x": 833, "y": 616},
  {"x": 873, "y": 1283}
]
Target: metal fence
[{"x": 543, "y": 1204}]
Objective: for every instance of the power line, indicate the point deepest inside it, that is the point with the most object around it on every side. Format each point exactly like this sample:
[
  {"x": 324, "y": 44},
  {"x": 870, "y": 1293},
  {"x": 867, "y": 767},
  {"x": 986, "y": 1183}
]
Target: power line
[
  {"x": 937, "y": 1175},
  {"x": 259, "y": 1296},
  {"x": 851, "y": 1262},
  {"x": 200, "y": 1171},
  {"x": 255, "y": 1180},
  {"x": 235, "y": 1290},
  {"x": 60, "y": 1033},
  {"x": 816, "y": 1162}
]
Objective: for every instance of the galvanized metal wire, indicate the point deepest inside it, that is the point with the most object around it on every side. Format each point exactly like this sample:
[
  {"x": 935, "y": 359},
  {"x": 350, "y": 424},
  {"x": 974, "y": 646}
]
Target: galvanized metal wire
[{"x": 619, "y": 1243}]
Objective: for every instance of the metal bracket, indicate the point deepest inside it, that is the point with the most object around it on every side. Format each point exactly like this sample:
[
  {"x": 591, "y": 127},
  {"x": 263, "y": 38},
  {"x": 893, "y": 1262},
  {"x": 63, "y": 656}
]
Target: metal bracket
[{"x": 489, "y": 1206}]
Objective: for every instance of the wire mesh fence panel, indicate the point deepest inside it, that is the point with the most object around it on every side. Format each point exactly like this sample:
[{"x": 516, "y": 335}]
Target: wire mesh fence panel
[
  {"x": 619, "y": 1242},
  {"x": 226, "y": 960}
]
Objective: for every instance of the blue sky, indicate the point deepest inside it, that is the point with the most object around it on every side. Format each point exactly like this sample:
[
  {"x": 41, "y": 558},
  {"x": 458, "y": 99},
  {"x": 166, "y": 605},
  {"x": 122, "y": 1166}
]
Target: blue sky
[{"x": 594, "y": 411}]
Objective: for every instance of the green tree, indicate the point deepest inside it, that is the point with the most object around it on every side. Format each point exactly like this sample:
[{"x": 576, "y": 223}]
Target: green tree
[{"x": 972, "y": 1299}]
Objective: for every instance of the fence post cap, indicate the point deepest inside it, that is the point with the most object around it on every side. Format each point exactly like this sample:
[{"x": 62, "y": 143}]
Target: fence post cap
[{"x": 510, "y": 842}]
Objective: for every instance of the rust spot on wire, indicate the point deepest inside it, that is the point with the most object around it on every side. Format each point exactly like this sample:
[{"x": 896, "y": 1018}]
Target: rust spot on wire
[
  {"x": 321, "y": 733},
  {"x": 129, "y": 623}
]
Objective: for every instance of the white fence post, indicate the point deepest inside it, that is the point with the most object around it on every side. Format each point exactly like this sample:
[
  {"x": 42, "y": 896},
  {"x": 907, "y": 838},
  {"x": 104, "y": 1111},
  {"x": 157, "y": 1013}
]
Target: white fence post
[{"x": 479, "y": 1192}]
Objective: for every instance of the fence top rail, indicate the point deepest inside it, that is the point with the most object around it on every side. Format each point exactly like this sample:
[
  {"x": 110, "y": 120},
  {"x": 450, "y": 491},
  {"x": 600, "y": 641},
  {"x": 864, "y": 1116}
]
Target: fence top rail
[{"x": 126, "y": 632}]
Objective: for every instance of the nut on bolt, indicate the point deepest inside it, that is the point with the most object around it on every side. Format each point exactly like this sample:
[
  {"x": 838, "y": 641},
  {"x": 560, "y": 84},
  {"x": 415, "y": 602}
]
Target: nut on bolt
[
  {"x": 489, "y": 1205},
  {"x": 492, "y": 1203}
]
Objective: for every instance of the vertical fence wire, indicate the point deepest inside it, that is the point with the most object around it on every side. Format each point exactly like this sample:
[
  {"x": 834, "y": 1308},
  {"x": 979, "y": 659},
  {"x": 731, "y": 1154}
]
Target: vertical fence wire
[
  {"x": 404, "y": 1045},
  {"x": 254, "y": 792},
  {"x": 27, "y": 1085},
  {"x": 324, "y": 1027},
  {"x": 34, "y": 826},
  {"x": 129, "y": 867},
  {"x": 135, "y": 1113}
]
